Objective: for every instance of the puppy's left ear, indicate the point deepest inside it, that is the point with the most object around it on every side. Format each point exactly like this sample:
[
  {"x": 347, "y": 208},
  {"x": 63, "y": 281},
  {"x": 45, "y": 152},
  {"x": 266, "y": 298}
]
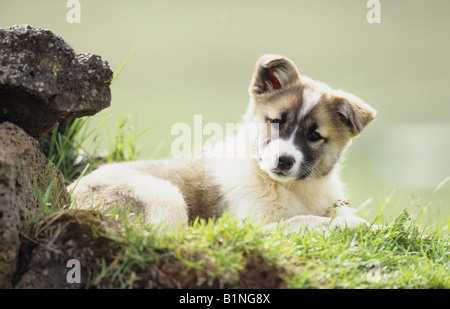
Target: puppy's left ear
[
  {"x": 272, "y": 72},
  {"x": 354, "y": 112}
]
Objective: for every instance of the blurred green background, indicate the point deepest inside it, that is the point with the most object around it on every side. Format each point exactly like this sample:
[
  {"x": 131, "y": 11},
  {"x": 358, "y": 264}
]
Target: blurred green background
[{"x": 197, "y": 57}]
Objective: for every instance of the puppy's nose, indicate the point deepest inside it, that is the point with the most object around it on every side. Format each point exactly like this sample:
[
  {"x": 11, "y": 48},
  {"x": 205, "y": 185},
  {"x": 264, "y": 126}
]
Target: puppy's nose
[{"x": 285, "y": 163}]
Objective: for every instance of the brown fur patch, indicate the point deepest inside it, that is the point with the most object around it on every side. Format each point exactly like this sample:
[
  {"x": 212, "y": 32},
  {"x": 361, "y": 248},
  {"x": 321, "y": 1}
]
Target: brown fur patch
[{"x": 202, "y": 197}]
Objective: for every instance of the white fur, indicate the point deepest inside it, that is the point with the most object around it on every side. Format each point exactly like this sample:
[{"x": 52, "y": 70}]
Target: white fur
[
  {"x": 269, "y": 157},
  {"x": 249, "y": 192},
  {"x": 118, "y": 184},
  {"x": 310, "y": 98}
]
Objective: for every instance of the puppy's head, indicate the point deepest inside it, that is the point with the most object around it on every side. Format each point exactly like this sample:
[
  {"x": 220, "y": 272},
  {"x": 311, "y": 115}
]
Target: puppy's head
[{"x": 308, "y": 124}]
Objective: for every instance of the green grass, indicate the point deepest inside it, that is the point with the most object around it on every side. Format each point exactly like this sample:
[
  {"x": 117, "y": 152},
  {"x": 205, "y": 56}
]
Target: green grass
[{"x": 398, "y": 255}]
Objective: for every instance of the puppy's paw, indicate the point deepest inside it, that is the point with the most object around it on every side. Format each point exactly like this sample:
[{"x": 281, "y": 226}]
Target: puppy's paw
[
  {"x": 350, "y": 222},
  {"x": 296, "y": 223}
]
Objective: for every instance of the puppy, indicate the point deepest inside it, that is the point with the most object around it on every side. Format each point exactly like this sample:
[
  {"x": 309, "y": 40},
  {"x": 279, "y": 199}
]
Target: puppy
[{"x": 295, "y": 131}]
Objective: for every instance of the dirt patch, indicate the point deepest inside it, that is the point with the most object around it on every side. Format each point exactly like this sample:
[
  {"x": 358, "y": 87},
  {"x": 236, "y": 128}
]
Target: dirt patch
[
  {"x": 87, "y": 236},
  {"x": 259, "y": 274},
  {"x": 66, "y": 235},
  {"x": 171, "y": 273}
]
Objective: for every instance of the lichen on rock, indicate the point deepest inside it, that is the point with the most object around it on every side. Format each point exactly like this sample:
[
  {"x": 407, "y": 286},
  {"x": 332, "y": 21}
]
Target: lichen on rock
[{"x": 43, "y": 81}]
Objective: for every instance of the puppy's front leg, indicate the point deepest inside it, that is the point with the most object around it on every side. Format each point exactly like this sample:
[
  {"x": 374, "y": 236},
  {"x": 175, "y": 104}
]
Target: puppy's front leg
[{"x": 296, "y": 223}]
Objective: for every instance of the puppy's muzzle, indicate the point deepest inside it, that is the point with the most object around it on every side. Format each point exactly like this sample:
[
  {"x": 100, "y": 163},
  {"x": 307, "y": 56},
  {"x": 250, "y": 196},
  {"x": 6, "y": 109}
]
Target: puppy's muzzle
[{"x": 285, "y": 163}]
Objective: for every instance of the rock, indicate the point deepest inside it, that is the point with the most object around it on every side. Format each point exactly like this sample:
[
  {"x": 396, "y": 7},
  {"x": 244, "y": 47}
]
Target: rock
[
  {"x": 43, "y": 81},
  {"x": 23, "y": 170}
]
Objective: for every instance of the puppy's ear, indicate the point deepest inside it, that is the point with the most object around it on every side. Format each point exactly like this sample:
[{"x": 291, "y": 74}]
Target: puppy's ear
[
  {"x": 354, "y": 112},
  {"x": 272, "y": 73}
]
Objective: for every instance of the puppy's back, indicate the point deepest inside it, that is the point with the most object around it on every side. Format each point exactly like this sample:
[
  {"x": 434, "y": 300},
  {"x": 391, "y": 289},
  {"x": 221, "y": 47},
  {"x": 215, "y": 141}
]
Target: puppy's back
[{"x": 201, "y": 195}]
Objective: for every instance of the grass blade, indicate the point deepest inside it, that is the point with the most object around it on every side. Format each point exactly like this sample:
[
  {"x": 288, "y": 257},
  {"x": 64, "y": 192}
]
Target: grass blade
[{"x": 123, "y": 64}]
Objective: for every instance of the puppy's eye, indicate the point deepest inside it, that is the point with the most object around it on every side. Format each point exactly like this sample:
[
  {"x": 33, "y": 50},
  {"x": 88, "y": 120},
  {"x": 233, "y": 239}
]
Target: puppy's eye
[
  {"x": 314, "y": 136},
  {"x": 279, "y": 121}
]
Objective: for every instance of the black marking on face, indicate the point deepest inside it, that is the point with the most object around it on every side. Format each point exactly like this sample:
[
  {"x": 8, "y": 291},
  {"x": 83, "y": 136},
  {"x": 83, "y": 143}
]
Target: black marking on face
[
  {"x": 304, "y": 134},
  {"x": 311, "y": 154},
  {"x": 312, "y": 135}
]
